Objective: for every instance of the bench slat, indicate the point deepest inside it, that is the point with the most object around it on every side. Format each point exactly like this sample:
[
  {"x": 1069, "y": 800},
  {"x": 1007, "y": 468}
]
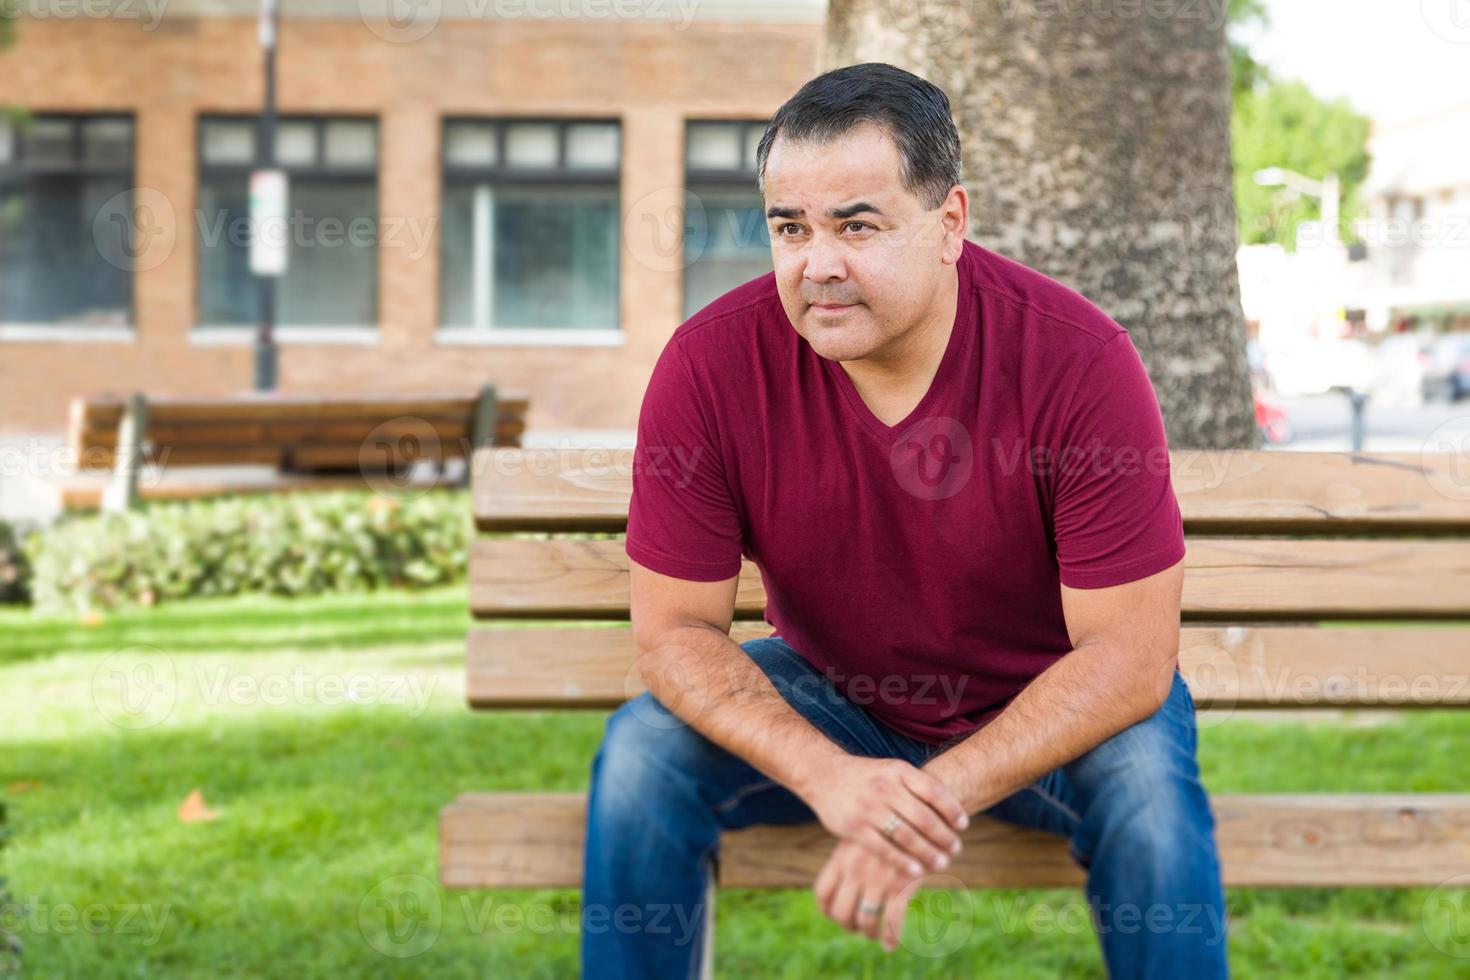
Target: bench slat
[
  {"x": 1219, "y": 491},
  {"x": 1230, "y": 666},
  {"x": 1224, "y": 579},
  {"x": 1316, "y": 839}
]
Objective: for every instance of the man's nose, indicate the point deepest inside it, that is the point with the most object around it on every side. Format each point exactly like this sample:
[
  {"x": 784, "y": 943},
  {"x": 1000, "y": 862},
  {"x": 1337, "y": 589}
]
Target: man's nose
[{"x": 825, "y": 262}]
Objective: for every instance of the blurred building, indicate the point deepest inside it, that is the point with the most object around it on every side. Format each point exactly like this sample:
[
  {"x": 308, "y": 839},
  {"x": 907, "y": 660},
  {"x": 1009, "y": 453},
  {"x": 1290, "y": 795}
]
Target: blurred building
[
  {"x": 1416, "y": 263},
  {"x": 527, "y": 192}
]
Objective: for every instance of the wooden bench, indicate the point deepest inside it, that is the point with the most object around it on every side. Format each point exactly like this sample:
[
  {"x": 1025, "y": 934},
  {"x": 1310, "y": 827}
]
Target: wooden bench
[
  {"x": 1277, "y": 543},
  {"x": 309, "y": 442}
]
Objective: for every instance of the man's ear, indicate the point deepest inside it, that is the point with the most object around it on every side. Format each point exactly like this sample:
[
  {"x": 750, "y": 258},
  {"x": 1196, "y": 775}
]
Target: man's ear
[{"x": 954, "y": 219}]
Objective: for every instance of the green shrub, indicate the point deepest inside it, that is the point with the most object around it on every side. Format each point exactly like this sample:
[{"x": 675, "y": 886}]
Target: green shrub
[
  {"x": 15, "y": 570},
  {"x": 291, "y": 544}
]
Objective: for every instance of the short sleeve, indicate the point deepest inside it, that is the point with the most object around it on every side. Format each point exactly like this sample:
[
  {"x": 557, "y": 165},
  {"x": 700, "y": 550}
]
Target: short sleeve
[
  {"x": 682, "y": 520},
  {"x": 1115, "y": 516}
]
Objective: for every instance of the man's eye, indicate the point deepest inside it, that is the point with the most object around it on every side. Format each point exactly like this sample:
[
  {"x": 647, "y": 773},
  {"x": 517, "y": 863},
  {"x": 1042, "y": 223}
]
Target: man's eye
[
  {"x": 788, "y": 227},
  {"x": 856, "y": 224}
]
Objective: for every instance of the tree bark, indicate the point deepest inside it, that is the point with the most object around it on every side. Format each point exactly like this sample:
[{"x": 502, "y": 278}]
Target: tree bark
[{"x": 1096, "y": 138}]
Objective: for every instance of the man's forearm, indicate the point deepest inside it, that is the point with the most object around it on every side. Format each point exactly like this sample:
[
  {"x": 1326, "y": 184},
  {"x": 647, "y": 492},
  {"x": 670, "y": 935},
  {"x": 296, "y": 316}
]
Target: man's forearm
[
  {"x": 703, "y": 676},
  {"x": 1075, "y": 704}
]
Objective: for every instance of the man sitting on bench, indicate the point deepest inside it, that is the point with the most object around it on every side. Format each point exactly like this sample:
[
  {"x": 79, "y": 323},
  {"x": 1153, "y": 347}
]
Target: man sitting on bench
[{"x": 953, "y": 476}]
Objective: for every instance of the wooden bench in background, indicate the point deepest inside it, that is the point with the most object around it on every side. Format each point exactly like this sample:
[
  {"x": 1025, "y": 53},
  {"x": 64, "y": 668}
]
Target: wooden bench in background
[
  {"x": 311, "y": 442},
  {"x": 1277, "y": 543}
]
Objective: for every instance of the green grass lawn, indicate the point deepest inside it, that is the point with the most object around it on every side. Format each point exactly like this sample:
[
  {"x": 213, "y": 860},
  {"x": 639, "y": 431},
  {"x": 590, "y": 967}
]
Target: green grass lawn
[{"x": 327, "y": 805}]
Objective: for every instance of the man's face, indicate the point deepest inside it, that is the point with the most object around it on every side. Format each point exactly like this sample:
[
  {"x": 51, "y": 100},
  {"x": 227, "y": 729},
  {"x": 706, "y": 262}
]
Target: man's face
[{"x": 859, "y": 258}]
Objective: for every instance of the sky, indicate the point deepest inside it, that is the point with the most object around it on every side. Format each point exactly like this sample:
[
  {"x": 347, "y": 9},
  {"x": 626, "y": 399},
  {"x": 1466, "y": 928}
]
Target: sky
[{"x": 1393, "y": 59}]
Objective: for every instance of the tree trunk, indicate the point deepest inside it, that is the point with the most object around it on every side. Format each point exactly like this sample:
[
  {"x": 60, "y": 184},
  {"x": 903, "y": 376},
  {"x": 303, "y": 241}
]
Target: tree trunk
[{"x": 1096, "y": 137}]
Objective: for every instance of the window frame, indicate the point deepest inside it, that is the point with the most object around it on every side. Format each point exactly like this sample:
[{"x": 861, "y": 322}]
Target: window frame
[
  {"x": 15, "y": 170},
  {"x": 500, "y": 173},
  {"x": 715, "y": 178},
  {"x": 317, "y": 172}
]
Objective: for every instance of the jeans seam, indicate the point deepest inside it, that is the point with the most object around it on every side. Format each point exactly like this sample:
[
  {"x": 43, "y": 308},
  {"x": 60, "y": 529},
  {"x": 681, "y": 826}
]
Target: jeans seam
[
  {"x": 742, "y": 793},
  {"x": 1055, "y": 802},
  {"x": 697, "y": 954}
]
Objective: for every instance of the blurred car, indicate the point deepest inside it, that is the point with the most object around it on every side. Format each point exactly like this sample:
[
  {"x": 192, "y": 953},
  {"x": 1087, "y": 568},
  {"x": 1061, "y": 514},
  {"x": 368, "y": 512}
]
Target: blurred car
[
  {"x": 1398, "y": 370},
  {"x": 1447, "y": 368},
  {"x": 1271, "y": 417},
  {"x": 1315, "y": 367}
]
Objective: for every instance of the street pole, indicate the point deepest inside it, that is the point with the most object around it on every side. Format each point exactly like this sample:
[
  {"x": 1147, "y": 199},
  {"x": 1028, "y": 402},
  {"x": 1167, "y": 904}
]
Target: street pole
[
  {"x": 1332, "y": 209},
  {"x": 265, "y": 340}
]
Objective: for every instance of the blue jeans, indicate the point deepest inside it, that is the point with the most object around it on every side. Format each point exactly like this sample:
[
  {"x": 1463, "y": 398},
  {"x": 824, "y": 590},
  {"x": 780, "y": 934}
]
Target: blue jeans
[{"x": 1132, "y": 809}]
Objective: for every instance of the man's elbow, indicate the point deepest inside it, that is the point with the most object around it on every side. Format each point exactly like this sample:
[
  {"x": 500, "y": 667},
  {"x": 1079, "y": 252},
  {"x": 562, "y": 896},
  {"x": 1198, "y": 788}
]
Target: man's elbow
[{"x": 1158, "y": 665}]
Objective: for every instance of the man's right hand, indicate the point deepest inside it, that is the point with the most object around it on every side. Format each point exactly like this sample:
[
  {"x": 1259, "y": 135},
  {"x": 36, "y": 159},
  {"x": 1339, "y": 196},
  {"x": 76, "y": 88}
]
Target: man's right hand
[{"x": 857, "y": 798}]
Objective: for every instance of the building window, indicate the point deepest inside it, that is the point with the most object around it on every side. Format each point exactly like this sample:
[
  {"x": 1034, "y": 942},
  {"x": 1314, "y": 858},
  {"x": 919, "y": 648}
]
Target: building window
[
  {"x": 68, "y": 243},
  {"x": 331, "y": 276},
  {"x": 529, "y": 237},
  {"x": 725, "y": 238}
]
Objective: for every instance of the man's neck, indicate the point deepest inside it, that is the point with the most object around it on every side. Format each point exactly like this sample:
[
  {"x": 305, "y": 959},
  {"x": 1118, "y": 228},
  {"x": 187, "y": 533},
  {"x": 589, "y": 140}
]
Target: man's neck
[{"x": 894, "y": 380}]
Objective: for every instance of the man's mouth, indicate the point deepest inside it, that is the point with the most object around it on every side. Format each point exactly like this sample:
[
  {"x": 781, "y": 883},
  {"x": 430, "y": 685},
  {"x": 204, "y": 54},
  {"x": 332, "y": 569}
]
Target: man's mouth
[{"x": 832, "y": 307}]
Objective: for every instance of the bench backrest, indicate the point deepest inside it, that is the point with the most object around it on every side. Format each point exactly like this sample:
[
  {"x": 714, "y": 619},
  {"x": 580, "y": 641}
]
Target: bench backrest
[
  {"x": 299, "y": 432},
  {"x": 1312, "y": 579}
]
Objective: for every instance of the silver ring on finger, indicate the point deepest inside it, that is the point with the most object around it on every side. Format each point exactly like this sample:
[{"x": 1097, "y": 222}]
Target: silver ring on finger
[{"x": 870, "y": 908}]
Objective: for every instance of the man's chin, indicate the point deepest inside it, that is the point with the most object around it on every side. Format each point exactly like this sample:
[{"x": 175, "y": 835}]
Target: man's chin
[{"x": 838, "y": 341}]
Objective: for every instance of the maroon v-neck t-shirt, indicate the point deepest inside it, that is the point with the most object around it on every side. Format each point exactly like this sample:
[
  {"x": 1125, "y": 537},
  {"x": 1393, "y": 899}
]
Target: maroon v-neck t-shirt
[{"x": 915, "y": 565}]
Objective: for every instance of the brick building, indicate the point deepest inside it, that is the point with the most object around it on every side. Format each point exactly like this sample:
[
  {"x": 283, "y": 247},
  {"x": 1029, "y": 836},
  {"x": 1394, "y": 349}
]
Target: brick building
[{"x": 480, "y": 190}]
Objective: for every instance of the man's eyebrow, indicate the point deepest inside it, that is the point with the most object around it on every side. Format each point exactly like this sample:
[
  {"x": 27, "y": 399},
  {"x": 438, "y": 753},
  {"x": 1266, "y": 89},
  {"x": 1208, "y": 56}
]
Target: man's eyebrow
[{"x": 846, "y": 211}]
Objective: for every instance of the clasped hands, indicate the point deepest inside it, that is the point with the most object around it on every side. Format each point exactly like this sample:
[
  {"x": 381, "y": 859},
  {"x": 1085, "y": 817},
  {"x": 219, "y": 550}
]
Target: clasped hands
[{"x": 896, "y": 823}]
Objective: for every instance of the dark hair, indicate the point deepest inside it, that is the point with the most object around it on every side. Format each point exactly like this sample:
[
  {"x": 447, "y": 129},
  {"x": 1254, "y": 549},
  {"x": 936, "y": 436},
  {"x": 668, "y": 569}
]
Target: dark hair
[{"x": 915, "y": 113}]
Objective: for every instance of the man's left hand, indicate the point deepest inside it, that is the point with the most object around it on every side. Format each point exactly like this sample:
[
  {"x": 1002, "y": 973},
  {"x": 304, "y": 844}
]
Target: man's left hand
[{"x": 853, "y": 881}]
